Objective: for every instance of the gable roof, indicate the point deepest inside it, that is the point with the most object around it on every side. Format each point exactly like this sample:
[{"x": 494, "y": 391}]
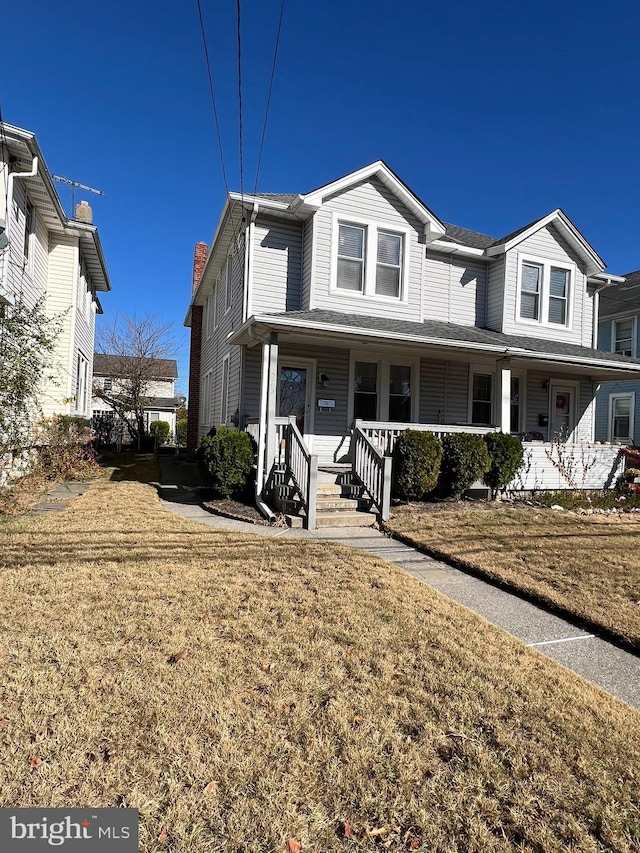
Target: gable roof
[
  {"x": 561, "y": 221},
  {"x": 623, "y": 298},
  {"x": 107, "y": 364},
  {"x": 465, "y": 237}
]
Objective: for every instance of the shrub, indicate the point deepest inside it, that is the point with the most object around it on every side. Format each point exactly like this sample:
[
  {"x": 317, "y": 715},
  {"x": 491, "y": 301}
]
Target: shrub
[
  {"x": 464, "y": 460},
  {"x": 226, "y": 459},
  {"x": 160, "y": 430},
  {"x": 64, "y": 448},
  {"x": 506, "y": 456},
  {"x": 416, "y": 464},
  {"x": 181, "y": 432}
]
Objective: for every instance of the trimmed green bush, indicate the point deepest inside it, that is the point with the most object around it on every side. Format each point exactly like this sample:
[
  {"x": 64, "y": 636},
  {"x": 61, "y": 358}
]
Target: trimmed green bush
[
  {"x": 160, "y": 430},
  {"x": 416, "y": 464},
  {"x": 464, "y": 460},
  {"x": 181, "y": 432},
  {"x": 506, "y": 455},
  {"x": 226, "y": 459}
]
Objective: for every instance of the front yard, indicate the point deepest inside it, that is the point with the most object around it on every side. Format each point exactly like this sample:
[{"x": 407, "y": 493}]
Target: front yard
[
  {"x": 587, "y": 565},
  {"x": 255, "y": 695}
]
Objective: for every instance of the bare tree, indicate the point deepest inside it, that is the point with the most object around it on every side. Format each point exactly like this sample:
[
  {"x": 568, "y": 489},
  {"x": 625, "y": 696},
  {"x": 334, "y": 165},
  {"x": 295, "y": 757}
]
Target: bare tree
[{"x": 134, "y": 352}]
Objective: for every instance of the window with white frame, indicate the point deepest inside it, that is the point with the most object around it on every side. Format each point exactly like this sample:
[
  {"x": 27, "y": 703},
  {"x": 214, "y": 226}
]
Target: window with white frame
[
  {"x": 224, "y": 404},
  {"x": 205, "y": 399},
  {"x": 228, "y": 284},
  {"x": 370, "y": 259},
  {"x": 482, "y": 398},
  {"x": 515, "y": 404},
  {"x": 623, "y": 335},
  {"x": 621, "y": 412},
  {"x": 365, "y": 391},
  {"x": 544, "y": 293}
]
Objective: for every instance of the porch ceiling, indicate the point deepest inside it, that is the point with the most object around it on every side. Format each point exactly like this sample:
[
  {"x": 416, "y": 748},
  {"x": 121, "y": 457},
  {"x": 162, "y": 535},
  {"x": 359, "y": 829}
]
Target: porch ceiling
[{"x": 334, "y": 328}]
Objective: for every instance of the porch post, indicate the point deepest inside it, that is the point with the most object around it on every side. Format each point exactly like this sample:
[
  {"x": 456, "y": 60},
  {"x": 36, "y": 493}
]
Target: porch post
[
  {"x": 503, "y": 394},
  {"x": 272, "y": 393}
]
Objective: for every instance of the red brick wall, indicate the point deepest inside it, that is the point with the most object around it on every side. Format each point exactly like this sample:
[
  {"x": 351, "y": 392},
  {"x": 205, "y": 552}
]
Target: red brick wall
[{"x": 193, "y": 414}]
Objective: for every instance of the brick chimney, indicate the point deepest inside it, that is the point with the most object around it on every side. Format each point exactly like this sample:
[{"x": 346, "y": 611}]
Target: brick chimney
[
  {"x": 195, "y": 354},
  {"x": 199, "y": 260}
]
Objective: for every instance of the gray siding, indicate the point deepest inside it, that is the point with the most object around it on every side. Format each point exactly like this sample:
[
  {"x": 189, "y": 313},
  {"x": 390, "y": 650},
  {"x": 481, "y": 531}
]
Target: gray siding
[
  {"x": 455, "y": 290},
  {"x": 495, "y": 294},
  {"x": 602, "y": 407},
  {"x": 366, "y": 202},
  {"x": 276, "y": 266},
  {"x": 433, "y": 391},
  {"x": 548, "y": 244},
  {"x": 307, "y": 265}
]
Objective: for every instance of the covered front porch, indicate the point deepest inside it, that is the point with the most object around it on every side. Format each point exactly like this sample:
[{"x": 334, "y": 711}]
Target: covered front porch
[{"x": 316, "y": 397}]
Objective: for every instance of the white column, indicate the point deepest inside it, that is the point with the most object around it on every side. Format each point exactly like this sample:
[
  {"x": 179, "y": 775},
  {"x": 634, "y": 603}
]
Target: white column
[
  {"x": 272, "y": 394},
  {"x": 503, "y": 394}
]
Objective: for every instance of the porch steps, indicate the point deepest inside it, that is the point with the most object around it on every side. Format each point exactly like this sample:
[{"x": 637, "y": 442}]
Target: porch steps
[{"x": 339, "y": 501}]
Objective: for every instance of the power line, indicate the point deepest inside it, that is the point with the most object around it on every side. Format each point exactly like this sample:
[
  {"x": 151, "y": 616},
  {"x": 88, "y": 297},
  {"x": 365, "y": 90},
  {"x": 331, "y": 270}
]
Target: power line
[
  {"x": 240, "y": 102},
  {"x": 213, "y": 97},
  {"x": 266, "y": 112}
]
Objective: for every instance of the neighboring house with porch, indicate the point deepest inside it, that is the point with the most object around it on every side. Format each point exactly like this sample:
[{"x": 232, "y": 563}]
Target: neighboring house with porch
[
  {"x": 115, "y": 374},
  {"x": 45, "y": 255},
  {"x": 618, "y": 403},
  {"x": 326, "y": 323}
]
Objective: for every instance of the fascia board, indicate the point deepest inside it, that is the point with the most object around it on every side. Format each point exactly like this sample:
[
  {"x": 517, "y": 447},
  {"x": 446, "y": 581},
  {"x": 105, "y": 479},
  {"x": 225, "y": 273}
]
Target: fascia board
[{"x": 457, "y": 249}]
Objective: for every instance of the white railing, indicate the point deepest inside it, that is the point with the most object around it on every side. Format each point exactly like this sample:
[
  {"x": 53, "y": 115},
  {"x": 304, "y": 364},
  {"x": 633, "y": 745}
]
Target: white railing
[
  {"x": 373, "y": 470},
  {"x": 252, "y": 426},
  {"x": 383, "y": 435},
  {"x": 302, "y": 467}
]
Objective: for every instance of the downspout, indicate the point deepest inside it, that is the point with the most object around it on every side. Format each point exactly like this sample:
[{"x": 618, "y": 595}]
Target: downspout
[
  {"x": 12, "y": 177},
  {"x": 262, "y": 423},
  {"x": 248, "y": 254}
]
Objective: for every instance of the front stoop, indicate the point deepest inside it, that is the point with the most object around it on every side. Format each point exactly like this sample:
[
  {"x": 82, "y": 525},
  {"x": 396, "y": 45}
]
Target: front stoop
[{"x": 339, "y": 501}]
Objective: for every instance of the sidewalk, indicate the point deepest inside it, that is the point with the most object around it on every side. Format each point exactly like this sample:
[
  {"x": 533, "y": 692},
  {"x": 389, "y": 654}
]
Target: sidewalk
[{"x": 599, "y": 661}]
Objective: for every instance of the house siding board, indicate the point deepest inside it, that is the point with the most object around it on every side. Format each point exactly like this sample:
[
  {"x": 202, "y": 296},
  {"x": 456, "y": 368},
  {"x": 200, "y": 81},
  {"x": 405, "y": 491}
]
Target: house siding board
[
  {"x": 367, "y": 201},
  {"x": 432, "y": 391},
  {"x": 277, "y": 265},
  {"x": 61, "y": 303},
  {"x": 495, "y": 295},
  {"x": 457, "y": 393},
  {"x": 455, "y": 291},
  {"x": 605, "y": 389},
  {"x": 307, "y": 264},
  {"x": 546, "y": 244}
]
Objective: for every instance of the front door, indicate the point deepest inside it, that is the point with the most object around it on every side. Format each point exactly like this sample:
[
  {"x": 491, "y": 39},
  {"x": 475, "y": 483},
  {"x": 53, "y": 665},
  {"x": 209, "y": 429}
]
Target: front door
[
  {"x": 562, "y": 418},
  {"x": 294, "y": 395}
]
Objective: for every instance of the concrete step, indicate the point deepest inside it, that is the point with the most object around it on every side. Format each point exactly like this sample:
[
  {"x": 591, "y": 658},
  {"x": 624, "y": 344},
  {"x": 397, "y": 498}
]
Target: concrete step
[
  {"x": 345, "y": 519},
  {"x": 327, "y": 503}
]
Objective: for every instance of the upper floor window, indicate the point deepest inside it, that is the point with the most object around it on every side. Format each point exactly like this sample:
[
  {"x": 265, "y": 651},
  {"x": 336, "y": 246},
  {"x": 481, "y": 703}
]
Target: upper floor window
[
  {"x": 545, "y": 292},
  {"x": 370, "y": 260},
  {"x": 623, "y": 336},
  {"x": 228, "y": 283},
  {"x": 621, "y": 411}
]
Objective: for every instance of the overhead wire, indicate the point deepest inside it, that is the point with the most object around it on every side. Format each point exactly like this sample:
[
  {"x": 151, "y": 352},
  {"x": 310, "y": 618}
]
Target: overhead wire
[
  {"x": 268, "y": 104},
  {"x": 241, "y": 154}
]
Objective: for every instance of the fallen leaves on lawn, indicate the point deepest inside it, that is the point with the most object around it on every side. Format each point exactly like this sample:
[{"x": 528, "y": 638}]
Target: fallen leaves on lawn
[
  {"x": 294, "y": 845},
  {"x": 211, "y": 787},
  {"x": 35, "y": 762},
  {"x": 177, "y": 657},
  {"x": 163, "y": 834}
]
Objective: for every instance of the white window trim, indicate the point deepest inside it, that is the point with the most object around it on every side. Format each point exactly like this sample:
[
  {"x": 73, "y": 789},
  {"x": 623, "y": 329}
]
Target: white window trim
[
  {"x": 384, "y": 362},
  {"x": 546, "y": 265},
  {"x": 634, "y": 332},
  {"x": 371, "y": 228},
  {"x": 228, "y": 285},
  {"x": 224, "y": 392},
  {"x": 205, "y": 399},
  {"x": 631, "y": 395},
  {"x": 82, "y": 382},
  {"x": 521, "y": 375},
  {"x": 574, "y": 384},
  {"x": 311, "y": 366},
  {"x": 482, "y": 370}
]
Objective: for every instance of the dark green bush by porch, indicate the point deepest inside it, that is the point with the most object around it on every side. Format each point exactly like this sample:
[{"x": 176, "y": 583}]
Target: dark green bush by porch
[
  {"x": 506, "y": 455},
  {"x": 181, "y": 432},
  {"x": 416, "y": 464},
  {"x": 464, "y": 460},
  {"x": 226, "y": 459},
  {"x": 160, "y": 430}
]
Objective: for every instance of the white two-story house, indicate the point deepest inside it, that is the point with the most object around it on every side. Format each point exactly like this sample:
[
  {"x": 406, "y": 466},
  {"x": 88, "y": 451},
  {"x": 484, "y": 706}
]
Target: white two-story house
[
  {"x": 341, "y": 316},
  {"x": 45, "y": 255}
]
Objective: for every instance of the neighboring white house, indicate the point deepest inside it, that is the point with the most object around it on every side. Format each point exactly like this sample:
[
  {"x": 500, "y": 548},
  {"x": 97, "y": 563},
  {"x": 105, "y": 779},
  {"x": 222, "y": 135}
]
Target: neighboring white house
[
  {"x": 48, "y": 255},
  {"x": 110, "y": 373},
  {"x": 618, "y": 403},
  {"x": 355, "y": 311}
]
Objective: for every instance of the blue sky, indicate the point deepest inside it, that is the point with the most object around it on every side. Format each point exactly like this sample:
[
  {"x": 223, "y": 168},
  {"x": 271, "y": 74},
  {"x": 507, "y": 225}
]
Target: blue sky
[{"x": 494, "y": 113}]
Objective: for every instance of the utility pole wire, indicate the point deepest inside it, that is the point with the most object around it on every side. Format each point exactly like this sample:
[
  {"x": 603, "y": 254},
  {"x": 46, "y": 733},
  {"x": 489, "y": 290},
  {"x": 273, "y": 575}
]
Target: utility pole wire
[
  {"x": 266, "y": 112},
  {"x": 241, "y": 156}
]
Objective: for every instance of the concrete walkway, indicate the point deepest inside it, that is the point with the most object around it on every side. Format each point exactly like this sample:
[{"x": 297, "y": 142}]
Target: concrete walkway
[{"x": 599, "y": 661}]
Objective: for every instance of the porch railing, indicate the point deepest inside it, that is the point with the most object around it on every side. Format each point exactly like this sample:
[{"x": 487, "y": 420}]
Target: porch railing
[
  {"x": 373, "y": 470},
  {"x": 302, "y": 467},
  {"x": 383, "y": 435}
]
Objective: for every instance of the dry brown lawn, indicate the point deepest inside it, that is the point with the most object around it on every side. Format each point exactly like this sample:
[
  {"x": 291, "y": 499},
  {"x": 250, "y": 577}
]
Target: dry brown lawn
[
  {"x": 588, "y": 565},
  {"x": 249, "y": 695}
]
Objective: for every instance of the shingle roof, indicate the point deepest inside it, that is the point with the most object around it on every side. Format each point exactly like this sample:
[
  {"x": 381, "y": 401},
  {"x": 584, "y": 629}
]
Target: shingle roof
[
  {"x": 112, "y": 365},
  {"x": 474, "y": 239},
  {"x": 162, "y": 403},
  {"x": 285, "y": 198},
  {"x": 436, "y": 329},
  {"x": 621, "y": 297}
]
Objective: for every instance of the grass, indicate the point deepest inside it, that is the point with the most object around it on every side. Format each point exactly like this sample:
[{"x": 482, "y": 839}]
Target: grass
[
  {"x": 587, "y": 565},
  {"x": 246, "y": 694}
]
